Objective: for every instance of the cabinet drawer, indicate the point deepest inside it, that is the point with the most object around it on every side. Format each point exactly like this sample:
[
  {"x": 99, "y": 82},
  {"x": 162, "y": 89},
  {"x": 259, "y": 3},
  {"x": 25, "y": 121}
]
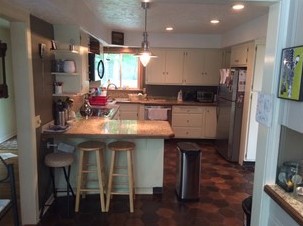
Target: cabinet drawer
[
  {"x": 187, "y": 109},
  {"x": 128, "y": 107},
  {"x": 194, "y": 120},
  {"x": 187, "y": 132}
]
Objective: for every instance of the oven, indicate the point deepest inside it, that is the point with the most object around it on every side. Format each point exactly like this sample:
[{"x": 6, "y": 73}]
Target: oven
[{"x": 158, "y": 112}]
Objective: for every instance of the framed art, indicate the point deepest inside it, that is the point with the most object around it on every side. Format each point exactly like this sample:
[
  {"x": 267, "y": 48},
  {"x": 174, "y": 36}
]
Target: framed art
[
  {"x": 290, "y": 76},
  {"x": 117, "y": 38}
]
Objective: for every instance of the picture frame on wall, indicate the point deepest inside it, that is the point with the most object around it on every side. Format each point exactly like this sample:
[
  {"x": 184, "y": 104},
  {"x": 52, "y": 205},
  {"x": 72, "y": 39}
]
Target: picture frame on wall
[
  {"x": 290, "y": 76},
  {"x": 117, "y": 38}
]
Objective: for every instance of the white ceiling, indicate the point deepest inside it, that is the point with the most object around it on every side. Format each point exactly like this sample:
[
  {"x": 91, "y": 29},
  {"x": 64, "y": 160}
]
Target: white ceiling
[{"x": 186, "y": 16}]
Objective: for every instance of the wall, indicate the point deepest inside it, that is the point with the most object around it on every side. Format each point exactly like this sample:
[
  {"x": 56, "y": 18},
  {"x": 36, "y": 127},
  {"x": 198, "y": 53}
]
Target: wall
[
  {"x": 253, "y": 30},
  {"x": 7, "y": 105},
  {"x": 174, "y": 40},
  {"x": 283, "y": 30},
  {"x": 42, "y": 32}
]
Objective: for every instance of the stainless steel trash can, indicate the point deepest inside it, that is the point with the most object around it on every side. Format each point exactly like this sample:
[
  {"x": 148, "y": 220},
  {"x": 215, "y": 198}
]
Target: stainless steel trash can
[{"x": 188, "y": 171}]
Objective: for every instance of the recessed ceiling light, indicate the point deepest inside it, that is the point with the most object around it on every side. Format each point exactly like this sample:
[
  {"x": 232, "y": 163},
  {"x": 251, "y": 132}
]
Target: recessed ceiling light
[
  {"x": 169, "y": 28},
  {"x": 238, "y": 6},
  {"x": 215, "y": 21}
]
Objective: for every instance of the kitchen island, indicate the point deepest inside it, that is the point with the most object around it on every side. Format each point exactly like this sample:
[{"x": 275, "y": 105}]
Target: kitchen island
[{"x": 147, "y": 135}]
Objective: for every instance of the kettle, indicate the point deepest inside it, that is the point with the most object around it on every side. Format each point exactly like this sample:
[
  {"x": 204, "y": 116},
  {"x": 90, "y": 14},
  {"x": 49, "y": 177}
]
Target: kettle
[{"x": 69, "y": 66}]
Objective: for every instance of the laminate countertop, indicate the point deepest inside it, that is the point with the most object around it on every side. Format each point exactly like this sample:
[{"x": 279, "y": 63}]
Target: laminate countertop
[{"x": 96, "y": 127}]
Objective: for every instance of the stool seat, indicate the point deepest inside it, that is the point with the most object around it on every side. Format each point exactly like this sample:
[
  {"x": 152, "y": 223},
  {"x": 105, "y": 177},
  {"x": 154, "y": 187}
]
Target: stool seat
[
  {"x": 88, "y": 147},
  {"x": 64, "y": 161},
  {"x": 91, "y": 145},
  {"x": 58, "y": 159},
  {"x": 120, "y": 147}
]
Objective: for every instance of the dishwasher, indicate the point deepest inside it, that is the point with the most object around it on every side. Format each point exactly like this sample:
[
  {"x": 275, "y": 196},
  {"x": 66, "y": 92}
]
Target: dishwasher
[{"x": 158, "y": 112}]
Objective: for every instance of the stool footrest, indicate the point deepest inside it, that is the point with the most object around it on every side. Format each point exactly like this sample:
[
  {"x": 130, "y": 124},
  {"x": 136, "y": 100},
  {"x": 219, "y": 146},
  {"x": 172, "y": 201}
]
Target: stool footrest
[
  {"x": 119, "y": 175},
  {"x": 90, "y": 189}
]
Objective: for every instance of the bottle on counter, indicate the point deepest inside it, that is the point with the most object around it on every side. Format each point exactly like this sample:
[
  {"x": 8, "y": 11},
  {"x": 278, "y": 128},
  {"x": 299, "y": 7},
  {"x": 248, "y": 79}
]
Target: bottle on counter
[{"x": 180, "y": 98}]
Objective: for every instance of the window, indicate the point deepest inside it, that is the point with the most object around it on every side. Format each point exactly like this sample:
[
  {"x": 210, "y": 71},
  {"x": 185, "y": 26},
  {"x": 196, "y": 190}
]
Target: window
[{"x": 122, "y": 69}]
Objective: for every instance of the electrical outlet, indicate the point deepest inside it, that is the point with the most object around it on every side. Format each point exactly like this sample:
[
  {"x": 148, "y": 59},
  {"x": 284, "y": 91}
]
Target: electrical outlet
[{"x": 37, "y": 121}]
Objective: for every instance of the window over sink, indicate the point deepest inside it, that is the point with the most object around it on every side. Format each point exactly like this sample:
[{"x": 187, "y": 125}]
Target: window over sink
[{"x": 123, "y": 69}]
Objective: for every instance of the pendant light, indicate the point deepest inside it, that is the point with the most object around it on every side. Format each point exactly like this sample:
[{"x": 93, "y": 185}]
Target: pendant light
[{"x": 145, "y": 54}]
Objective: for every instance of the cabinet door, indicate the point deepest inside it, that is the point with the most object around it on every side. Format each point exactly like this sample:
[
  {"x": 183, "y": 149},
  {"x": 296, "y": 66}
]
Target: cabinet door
[
  {"x": 211, "y": 66},
  {"x": 128, "y": 112},
  {"x": 174, "y": 66},
  {"x": 155, "y": 70},
  {"x": 210, "y": 122},
  {"x": 239, "y": 55},
  {"x": 193, "y": 63}
]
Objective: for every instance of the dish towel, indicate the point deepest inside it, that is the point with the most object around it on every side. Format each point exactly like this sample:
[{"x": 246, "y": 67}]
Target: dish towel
[{"x": 157, "y": 114}]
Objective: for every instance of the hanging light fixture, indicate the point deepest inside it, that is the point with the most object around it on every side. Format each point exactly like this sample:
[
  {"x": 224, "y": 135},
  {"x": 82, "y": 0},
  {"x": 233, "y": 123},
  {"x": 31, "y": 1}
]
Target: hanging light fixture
[{"x": 145, "y": 54}]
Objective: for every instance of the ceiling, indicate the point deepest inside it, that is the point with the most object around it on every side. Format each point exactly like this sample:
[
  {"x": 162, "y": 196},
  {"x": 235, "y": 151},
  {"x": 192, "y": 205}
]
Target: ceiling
[{"x": 186, "y": 16}]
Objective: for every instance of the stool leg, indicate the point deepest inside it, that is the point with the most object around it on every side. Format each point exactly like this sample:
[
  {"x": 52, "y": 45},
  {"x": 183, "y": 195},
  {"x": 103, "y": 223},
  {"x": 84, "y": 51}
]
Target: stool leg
[
  {"x": 100, "y": 180},
  {"x": 67, "y": 176},
  {"x": 110, "y": 181},
  {"x": 51, "y": 170},
  {"x": 67, "y": 188},
  {"x": 79, "y": 182},
  {"x": 130, "y": 181}
]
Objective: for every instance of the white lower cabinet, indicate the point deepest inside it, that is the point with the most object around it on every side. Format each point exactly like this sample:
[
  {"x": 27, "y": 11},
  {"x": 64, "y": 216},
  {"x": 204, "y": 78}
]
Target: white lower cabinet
[
  {"x": 128, "y": 112},
  {"x": 210, "y": 123},
  {"x": 194, "y": 122}
]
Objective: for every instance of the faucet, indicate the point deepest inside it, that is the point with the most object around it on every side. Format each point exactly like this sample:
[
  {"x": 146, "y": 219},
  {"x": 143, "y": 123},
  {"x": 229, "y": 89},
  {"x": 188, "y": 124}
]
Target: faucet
[{"x": 111, "y": 84}]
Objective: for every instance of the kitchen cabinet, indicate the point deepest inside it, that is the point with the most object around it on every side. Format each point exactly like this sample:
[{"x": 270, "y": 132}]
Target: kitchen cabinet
[
  {"x": 201, "y": 67},
  {"x": 73, "y": 83},
  {"x": 128, "y": 111},
  {"x": 166, "y": 68},
  {"x": 239, "y": 55},
  {"x": 194, "y": 122},
  {"x": 210, "y": 123},
  {"x": 184, "y": 67}
]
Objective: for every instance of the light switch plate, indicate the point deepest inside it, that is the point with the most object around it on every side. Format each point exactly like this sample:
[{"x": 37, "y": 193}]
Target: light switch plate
[{"x": 37, "y": 121}]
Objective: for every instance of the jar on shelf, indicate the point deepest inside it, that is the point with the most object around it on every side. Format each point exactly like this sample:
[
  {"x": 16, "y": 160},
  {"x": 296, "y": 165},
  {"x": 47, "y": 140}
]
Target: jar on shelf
[{"x": 69, "y": 66}]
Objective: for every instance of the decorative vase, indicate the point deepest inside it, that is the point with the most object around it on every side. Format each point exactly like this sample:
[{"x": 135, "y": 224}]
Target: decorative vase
[
  {"x": 69, "y": 66},
  {"x": 86, "y": 109}
]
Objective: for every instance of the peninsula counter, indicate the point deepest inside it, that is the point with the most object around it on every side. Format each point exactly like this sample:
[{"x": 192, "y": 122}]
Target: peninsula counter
[{"x": 148, "y": 136}]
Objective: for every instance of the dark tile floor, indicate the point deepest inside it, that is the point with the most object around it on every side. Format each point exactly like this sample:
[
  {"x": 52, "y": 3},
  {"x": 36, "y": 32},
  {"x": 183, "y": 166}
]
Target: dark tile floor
[{"x": 223, "y": 188}]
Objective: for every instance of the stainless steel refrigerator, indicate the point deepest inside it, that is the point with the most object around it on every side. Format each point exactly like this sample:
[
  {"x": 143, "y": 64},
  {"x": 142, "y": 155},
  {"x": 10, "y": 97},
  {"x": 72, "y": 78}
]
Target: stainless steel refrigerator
[{"x": 230, "y": 107}]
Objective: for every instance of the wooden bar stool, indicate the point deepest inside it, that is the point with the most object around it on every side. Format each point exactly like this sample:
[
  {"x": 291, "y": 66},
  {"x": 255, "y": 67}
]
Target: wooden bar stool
[
  {"x": 59, "y": 160},
  {"x": 88, "y": 147},
  {"x": 128, "y": 147}
]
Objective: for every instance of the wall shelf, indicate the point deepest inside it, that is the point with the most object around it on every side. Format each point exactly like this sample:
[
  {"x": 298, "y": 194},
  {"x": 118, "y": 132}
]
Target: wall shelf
[{"x": 64, "y": 73}]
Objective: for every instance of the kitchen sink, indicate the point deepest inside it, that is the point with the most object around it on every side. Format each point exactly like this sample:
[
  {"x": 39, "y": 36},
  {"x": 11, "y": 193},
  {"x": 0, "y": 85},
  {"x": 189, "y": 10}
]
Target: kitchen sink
[{"x": 103, "y": 112}]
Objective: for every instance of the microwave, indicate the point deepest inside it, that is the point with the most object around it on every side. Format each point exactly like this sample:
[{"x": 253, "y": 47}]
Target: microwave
[
  {"x": 95, "y": 67},
  {"x": 205, "y": 96}
]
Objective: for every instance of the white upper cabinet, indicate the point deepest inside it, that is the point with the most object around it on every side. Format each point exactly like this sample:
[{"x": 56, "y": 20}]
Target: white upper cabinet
[
  {"x": 166, "y": 68},
  {"x": 184, "y": 67},
  {"x": 201, "y": 67},
  {"x": 239, "y": 55}
]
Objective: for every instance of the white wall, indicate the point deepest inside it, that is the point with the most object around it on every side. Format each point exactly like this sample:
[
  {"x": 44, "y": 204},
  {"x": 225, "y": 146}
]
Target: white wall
[
  {"x": 174, "y": 40},
  {"x": 24, "y": 98},
  {"x": 283, "y": 30},
  {"x": 7, "y": 105},
  {"x": 253, "y": 30},
  {"x": 294, "y": 110}
]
